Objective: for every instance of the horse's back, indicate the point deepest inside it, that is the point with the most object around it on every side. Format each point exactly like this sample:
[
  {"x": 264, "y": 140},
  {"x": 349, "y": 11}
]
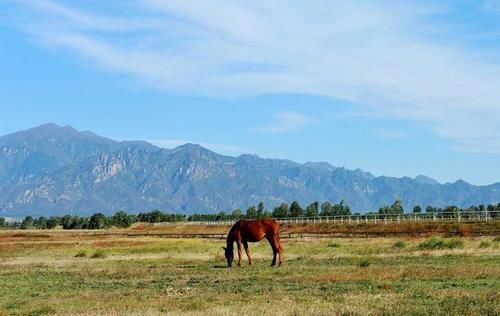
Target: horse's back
[{"x": 256, "y": 230}]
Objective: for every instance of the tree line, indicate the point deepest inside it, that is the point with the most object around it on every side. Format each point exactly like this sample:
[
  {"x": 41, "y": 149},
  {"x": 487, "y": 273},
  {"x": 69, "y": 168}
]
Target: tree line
[
  {"x": 123, "y": 220},
  {"x": 396, "y": 208}
]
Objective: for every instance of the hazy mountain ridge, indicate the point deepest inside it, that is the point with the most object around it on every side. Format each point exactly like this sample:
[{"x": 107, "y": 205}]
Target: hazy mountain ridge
[{"x": 55, "y": 170}]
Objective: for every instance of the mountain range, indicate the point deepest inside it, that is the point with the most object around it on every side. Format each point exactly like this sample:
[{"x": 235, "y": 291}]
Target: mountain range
[{"x": 54, "y": 170}]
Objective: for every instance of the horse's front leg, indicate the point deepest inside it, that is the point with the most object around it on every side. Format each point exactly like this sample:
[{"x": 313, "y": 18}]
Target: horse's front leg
[
  {"x": 238, "y": 242},
  {"x": 245, "y": 245}
]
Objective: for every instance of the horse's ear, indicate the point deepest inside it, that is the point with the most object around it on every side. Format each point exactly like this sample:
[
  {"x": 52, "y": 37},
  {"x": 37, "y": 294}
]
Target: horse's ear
[{"x": 224, "y": 248}]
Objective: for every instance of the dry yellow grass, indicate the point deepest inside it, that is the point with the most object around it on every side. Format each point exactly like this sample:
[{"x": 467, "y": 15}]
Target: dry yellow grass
[{"x": 40, "y": 275}]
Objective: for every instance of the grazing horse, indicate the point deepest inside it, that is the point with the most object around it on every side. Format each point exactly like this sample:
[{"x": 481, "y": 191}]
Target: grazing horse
[{"x": 245, "y": 231}]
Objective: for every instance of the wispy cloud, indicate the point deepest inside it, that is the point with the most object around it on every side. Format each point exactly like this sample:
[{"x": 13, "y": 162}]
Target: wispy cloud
[
  {"x": 219, "y": 148},
  {"x": 285, "y": 122},
  {"x": 389, "y": 57}
]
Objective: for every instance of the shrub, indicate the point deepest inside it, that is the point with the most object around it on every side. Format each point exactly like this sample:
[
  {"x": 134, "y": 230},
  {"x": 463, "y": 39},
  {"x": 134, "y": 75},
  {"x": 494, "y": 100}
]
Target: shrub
[
  {"x": 399, "y": 244},
  {"x": 42, "y": 310},
  {"x": 496, "y": 239},
  {"x": 99, "y": 254},
  {"x": 364, "y": 263},
  {"x": 454, "y": 243},
  {"x": 484, "y": 244},
  {"x": 334, "y": 245},
  {"x": 81, "y": 254},
  {"x": 441, "y": 243}
]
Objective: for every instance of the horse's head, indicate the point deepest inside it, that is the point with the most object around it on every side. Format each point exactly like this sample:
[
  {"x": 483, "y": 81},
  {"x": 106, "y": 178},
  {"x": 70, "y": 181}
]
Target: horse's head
[{"x": 229, "y": 254}]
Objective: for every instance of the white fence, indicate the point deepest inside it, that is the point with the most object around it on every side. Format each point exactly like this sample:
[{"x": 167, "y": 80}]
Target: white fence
[{"x": 485, "y": 216}]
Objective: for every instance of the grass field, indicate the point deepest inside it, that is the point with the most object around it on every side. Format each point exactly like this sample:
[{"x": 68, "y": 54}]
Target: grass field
[
  {"x": 422, "y": 228},
  {"x": 43, "y": 274}
]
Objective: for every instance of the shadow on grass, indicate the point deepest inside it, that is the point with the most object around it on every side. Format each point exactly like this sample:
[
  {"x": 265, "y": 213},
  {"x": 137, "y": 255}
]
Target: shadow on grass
[{"x": 219, "y": 267}]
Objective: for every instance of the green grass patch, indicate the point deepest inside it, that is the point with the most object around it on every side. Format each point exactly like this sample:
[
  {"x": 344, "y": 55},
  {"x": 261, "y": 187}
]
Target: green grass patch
[
  {"x": 81, "y": 254},
  {"x": 399, "y": 244},
  {"x": 484, "y": 244},
  {"x": 437, "y": 242},
  {"x": 99, "y": 254},
  {"x": 333, "y": 245}
]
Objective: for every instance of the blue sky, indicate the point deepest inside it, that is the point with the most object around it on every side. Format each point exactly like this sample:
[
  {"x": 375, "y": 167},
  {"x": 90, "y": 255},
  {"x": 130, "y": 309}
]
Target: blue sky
[{"x": 396, "y": 88}]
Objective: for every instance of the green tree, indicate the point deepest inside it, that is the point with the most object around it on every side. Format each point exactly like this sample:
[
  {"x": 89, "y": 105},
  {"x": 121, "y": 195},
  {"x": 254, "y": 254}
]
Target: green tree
[
  {"x": 260, "y": 210},
  {"x": 397, "y": 207},
  {"x": 40, "y": 223},
  {"x": 2, "y": 222},
  {"x": 312, "y": 210},
  {"x": 417, "y": 209},
  {"x": 67, "y": 221},
  {"x": 52, "y": 222},
  {"x": 327, "y": 209},
  {"x": 221, "y": 216},
  {"x": 296, "y": 210},
  {"x": 341, "y": 209},
  {"x": 237, "y": 214},
  {"x": 121, "y": 219},
  {"x": 97, "y": 221},
  {"x": 251, "y": 212},
  {"x": 27, "y": 223},
  {"x": 386, "y": 209},
  {"x": 156, "y": 217},
  {"x": 394, "y": 209},
  {"x": 282, "y": 211},
  {"x": 346, "y": 210}
]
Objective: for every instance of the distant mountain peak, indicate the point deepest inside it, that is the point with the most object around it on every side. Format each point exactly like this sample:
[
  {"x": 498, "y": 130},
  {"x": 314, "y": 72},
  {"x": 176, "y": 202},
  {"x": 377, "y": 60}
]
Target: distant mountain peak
[
  {"x": 425, "y": 180},
  {"x": 53, "y": 127},
  {"x": 191, "y": 146},
  {"x": 51, "y": 131},
  {"x": 49, "y": 125},
  {"x": 321, "y": 165},
  {"x": 53, "y": 169}
]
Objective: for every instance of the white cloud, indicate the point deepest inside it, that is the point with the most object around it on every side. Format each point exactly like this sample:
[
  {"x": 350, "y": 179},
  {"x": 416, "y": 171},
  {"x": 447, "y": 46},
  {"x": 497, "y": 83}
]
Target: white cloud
[
  {"x": 385, "y": 55},
  {"x": 286, "y": 122},
  {"x": 219, "y": 148}
]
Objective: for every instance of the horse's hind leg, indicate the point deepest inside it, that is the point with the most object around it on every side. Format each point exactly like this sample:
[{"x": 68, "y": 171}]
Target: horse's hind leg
[
  {"x": 280, "y": 249},
  {"x": 247, "y": 251},
  {"x": 272, "y": 242}
]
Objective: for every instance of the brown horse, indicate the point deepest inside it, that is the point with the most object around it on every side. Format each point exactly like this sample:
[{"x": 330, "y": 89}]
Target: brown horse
[{"x": 245, "y": 231}]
